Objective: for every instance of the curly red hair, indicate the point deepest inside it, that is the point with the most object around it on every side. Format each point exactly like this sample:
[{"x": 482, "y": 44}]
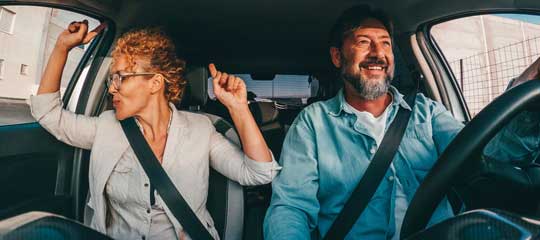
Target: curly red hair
[{"x": 154, "y": 45}]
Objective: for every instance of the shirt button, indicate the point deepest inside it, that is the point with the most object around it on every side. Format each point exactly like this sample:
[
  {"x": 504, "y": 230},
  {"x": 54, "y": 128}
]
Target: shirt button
[
  {"x": 373, "y": 150},
  {"x": 143, "y": 237},
  {"x": 147, "y": 210},
  {"x": 391, "y": 178},
  {"x": 146, "y": 184}
]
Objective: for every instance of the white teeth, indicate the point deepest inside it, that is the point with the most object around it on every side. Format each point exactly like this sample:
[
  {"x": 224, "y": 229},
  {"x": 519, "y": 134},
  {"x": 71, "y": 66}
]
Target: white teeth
[{"x": 374, "y": 68}]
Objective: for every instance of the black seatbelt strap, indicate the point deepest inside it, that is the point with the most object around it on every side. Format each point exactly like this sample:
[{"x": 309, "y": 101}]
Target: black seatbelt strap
[
  {"x": 374, "y": 174},
  {"x": 166, "y": 189},
  {"x": 152, "y": 194},
  {"x": 222, "y": 126}
]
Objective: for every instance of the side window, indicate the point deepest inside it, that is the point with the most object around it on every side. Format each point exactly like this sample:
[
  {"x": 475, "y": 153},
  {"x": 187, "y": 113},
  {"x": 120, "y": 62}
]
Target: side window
[
  {"x": 485, "y": 52},
  {"x": 27, "y": 37}
]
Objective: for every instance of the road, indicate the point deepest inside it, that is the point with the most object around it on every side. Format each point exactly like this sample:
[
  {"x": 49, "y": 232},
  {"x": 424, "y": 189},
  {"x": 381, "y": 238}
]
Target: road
[{"x": 14, "y": 112}]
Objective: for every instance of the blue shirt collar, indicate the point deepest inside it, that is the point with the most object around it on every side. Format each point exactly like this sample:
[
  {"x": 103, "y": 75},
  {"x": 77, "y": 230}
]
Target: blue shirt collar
[{"x": 337, "y": 103}]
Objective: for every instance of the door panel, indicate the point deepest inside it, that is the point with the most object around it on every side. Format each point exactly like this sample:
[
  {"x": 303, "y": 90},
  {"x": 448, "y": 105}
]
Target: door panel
[{"x": 35, "y": 170}]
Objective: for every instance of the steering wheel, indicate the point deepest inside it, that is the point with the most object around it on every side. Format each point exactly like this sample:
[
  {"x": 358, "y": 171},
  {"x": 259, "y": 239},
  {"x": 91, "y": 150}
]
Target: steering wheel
[{"x": 460, "y": 153}]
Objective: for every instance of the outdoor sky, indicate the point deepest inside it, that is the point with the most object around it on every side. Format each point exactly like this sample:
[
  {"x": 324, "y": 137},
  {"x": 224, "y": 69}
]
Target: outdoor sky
[{"x": 522, "y": 17}]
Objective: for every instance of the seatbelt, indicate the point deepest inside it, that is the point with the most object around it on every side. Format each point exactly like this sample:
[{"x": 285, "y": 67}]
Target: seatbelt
[
  {"x": 222, "y": 126},
  {"x": 374, "y": 174},
  {"x": 166, "y": 189}
]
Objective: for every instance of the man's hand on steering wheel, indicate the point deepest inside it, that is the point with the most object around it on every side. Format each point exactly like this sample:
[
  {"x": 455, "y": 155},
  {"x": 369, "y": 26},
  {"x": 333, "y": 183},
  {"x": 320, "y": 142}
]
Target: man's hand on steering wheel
[{"x": 532, "y": 72}]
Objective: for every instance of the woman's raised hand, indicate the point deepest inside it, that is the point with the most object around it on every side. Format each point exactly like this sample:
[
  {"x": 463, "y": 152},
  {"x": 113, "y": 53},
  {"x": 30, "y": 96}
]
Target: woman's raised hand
[
  {"x": 76, "y": 34},
  {"x": 229, "y": 89}
]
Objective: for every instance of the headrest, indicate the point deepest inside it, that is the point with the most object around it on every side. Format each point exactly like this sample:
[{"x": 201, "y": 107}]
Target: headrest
[
  {"x": 269, "y": 112},
  {"x": 264, "y": 112},
  {"x": 196, "y": 92}
]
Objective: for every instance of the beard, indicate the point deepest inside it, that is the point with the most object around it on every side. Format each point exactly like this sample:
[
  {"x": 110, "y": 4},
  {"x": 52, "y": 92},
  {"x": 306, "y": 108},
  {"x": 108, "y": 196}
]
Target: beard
[{"x": 369, "y": 89}]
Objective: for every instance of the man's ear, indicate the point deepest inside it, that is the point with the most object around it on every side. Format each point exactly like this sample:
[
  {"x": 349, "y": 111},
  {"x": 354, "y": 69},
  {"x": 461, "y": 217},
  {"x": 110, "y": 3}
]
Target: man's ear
[{"x": 335, "y": 54}]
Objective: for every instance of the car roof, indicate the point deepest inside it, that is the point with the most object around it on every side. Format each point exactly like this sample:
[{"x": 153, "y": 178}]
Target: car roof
[{"x": 277, "y": 36}]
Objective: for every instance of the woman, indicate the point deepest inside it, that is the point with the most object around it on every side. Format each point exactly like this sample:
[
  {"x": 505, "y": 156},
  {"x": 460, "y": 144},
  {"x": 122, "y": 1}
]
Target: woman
[{"x": 146, "y": 77}]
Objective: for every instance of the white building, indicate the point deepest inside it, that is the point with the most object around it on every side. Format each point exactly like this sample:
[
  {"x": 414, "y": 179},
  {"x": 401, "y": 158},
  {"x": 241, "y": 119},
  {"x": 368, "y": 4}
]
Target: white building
[{"x": 27, "y": 37}]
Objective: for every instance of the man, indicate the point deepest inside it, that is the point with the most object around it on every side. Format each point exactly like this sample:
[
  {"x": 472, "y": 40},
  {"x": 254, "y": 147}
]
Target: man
[{"x": 331, "y": 143}]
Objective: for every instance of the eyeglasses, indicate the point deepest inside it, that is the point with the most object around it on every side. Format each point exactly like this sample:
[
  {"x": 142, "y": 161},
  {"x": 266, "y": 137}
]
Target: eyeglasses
[{"x": 116, "y": 79}]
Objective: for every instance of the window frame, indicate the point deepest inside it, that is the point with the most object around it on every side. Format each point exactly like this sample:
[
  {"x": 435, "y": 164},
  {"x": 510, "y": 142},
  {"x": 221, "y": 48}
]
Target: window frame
[{"x": 24, "y": 69}]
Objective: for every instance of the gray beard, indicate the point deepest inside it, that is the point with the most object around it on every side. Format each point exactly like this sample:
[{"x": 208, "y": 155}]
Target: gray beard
[{"x": 369, "y": 90}]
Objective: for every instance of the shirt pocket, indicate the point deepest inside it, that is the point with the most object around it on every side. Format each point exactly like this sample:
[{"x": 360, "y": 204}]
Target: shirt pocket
[
  {"x": 122, "y": 167},
  {"x": 417, "y": 147},
  {"x": 119, "y": 183}
]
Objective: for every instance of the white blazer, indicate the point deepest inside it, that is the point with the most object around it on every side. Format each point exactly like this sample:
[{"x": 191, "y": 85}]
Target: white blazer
[{"x": 197, "y": 147}]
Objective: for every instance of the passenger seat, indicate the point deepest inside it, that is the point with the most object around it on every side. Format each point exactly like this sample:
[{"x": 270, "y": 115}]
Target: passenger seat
[{"x": 225, "y": 197}]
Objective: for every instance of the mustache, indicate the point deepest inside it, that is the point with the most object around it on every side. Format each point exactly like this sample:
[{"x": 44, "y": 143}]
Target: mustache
[{"x": 374, "y": 61}]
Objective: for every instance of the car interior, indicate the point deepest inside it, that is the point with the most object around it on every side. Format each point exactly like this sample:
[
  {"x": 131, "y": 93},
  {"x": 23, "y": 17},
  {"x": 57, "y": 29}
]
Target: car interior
[{"x": 491, "y": 200}]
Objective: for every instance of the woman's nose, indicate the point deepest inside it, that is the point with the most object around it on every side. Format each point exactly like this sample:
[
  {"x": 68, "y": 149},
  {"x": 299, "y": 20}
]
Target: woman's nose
[{"x": 112, "y": 89}]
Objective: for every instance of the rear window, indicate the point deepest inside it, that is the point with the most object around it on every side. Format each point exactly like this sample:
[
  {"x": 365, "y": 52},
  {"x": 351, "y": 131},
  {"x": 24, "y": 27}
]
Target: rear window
[{"x": 284, "y": 88}]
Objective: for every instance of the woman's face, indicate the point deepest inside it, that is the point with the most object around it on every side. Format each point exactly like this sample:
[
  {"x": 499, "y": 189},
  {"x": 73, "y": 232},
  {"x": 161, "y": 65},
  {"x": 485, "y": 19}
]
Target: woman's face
[{"x": 134, "y": 92}]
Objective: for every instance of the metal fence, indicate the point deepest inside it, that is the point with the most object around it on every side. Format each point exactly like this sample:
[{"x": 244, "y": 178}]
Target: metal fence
[{"x": 484, "y": 76}]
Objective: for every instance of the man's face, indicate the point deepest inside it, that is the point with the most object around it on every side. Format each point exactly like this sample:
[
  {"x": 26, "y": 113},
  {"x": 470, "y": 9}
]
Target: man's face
[{"x": 366, "y": 60}]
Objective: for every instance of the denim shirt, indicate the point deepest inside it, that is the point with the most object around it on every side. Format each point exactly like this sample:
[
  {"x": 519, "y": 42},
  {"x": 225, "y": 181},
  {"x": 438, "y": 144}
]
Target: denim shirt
[
  {"x": 518, "y": 142},
  {"x": 325, "y": 154},
  {"x": 378, "y": 126}
]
